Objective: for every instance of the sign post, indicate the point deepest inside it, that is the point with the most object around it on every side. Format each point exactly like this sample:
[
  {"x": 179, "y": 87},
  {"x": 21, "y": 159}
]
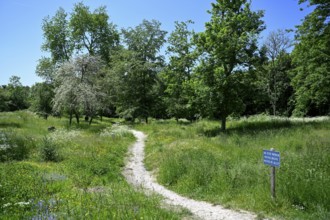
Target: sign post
[{"x": 272, "y": 158}]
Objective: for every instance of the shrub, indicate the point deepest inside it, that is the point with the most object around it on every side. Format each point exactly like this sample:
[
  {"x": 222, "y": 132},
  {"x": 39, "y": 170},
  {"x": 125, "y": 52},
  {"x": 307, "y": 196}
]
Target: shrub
[
  {"x": 49, "y": 150},
  {"x": 13, "y": 147}
]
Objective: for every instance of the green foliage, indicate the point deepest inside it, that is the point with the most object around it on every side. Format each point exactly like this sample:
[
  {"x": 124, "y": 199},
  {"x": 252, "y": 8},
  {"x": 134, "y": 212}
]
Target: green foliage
[
  {"x": 193, "y": 167},
  {"x": 49, "y": 150},
  {"x": 311, "y": 79},
  {"x": 87, "y": 184},
  {"x": 18, "y": 94},
  {"x": 200, "y": 161},
  {"x": 274, "y": 75},
  {"x": 46, "y": 69},
  {"x": 41, "y": 99},
  {"x": 228, "y": 43},
  {"x": 13, "y": 146},
  {"x": 4, "y": 98},
  {"x": 91, "y": 31},
  {"x": 57, "y": 37},
  {"x": 135, "y": 70},
  {"x": 216, "y": 73},
  {"x": 178, "y": 94},
  {"x": 22, "y": 187},
  {"x": 83, "y": 30}
]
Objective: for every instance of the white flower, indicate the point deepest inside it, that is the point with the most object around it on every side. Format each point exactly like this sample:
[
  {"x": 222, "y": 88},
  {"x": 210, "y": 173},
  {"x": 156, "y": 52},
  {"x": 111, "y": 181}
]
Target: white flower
[
  {"x": 6, "y": 205},
  {"x": 4, "y": 146},
  {"x": 22, "y": 203},
  {"x": 115, "y": 131}
]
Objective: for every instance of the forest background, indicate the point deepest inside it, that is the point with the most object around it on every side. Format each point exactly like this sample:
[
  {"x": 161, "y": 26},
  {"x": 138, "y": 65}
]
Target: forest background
[{"x": 96, "y": 69}]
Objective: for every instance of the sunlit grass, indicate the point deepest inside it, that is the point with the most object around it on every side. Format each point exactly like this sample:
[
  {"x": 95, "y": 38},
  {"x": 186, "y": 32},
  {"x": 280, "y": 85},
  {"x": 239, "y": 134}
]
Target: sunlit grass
[
  {"x": 86, "y": 183},
  {"x": 200, "y": 161}
]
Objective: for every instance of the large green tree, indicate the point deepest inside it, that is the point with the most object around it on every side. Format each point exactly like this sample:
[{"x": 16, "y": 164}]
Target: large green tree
[
  {"x": 41, "y": 96},
  {"x": 17, "y": 94},
  {"x": 92, "y": 32},
  {"x": 81, "y": 32},
  {"x": 57, "y": 42},
  {"x": 137, "y": 68},
  {"x": 178, "y": 72},
  {"x": 57, "y": 37},
  {"x": 228, "y": 44},
  {"x": 311, "y": 78}
]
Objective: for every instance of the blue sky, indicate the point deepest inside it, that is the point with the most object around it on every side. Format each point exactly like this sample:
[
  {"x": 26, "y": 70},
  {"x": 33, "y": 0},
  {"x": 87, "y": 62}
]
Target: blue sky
[{"x": 21, "y": 35}]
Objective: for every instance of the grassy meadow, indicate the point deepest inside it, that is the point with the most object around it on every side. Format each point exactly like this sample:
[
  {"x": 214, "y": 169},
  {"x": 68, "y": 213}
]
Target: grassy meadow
[
  {"x": 199, "y": 161},
  {"x": 70, "y": 173}
]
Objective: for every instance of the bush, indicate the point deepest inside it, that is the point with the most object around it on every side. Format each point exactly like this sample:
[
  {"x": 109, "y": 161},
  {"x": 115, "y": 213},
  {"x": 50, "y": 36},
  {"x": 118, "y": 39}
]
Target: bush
[
  {"x": 13, "y": 147},
  {"x": 49, "y": 150}
]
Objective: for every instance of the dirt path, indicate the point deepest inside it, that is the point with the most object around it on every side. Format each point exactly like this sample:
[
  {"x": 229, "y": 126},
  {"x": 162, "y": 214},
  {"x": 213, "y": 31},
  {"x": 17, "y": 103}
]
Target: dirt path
[{"x": 137, "y": 175}]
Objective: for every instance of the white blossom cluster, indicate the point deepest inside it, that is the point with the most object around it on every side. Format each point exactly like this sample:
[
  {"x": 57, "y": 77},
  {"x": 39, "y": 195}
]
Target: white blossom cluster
[
  {"x": 115, "y": 131},
  {"x": 62, "y": 135},
  {"x": 3, "y": 142},
  {"x": 21, "y": 204}
]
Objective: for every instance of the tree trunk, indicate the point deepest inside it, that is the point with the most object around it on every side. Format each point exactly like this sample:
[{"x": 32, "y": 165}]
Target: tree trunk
[
  {"x": 70, "y": 118},
  {"x": 223, "y": 123},
  {"x": 147, "y": 120},
  {"x": 77, "y": 118}
]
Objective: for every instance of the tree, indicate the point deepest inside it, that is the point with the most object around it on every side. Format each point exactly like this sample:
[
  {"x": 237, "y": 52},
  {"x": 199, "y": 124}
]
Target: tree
[
  {"x": 77, "y": 91},
  {"x": 310, "y": 77},
  {"x": 42, "y": 95},
  {"x": 178, "y": 72},
  {"x": 275, "y": 77},
  {"x": 92, "y": 31},
  {"x": 4, "y": 99},
  {"x": 46, "y": 69},
  {"x": 137, "y": 68},
  {"x": 57, "y": 37},
  {"x": 82, "y": 32},
  {"x": 17, "y": 94},
  {"x": 229, "y": 44}
]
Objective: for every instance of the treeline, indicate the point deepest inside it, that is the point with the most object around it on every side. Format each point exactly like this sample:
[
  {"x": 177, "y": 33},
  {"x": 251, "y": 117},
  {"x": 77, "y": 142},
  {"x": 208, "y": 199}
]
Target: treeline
[{"x": 95, "y": 69}]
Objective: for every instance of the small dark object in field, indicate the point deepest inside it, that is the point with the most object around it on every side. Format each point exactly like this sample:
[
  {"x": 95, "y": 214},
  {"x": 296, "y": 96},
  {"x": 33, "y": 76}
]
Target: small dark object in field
[{"x": 52, "y": 128}]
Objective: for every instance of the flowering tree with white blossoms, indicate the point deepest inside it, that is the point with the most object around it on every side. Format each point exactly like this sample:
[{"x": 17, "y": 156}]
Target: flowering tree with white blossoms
[{"x": 77, "y": 92}]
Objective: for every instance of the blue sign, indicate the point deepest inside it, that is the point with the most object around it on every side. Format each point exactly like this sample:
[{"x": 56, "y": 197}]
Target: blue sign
[{"x": 272, "y": 158}]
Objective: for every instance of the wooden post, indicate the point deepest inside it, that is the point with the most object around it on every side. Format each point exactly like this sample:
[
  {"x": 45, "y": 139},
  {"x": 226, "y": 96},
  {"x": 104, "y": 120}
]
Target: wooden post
[{"x": 272, "y": 180}]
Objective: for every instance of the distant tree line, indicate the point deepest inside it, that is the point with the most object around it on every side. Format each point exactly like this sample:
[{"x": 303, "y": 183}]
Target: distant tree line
[{"x": 94, "y": 69}]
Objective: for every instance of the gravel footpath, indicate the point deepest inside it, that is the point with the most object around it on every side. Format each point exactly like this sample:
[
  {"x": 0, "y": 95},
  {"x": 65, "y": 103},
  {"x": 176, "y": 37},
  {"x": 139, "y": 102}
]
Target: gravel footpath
[{"x": 137, "y": 175}]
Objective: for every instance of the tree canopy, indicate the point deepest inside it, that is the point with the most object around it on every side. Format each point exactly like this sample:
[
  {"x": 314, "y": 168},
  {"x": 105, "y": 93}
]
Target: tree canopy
[
  {"x": 229, "y": 43},
  {"x": 311, "y": 78},
  {"x": 94, "y": 69}
]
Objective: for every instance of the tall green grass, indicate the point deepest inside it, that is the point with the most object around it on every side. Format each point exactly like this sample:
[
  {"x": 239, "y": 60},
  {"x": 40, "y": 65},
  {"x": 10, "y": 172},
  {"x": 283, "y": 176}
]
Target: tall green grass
[
  {"x": 71, "y": 173},
  {"x": 200, "y": 161}
]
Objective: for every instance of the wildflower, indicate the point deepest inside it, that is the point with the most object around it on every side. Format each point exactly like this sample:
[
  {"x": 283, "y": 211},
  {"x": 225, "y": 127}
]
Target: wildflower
[
  {"x": 22, "y": 204},
  {"x": 298, "y": 207},
  {"x": 6, "y": 205}
]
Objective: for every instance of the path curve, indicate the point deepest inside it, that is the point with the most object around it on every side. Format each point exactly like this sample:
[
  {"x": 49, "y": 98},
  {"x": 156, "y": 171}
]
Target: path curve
[{"x": 137, "y": 175}]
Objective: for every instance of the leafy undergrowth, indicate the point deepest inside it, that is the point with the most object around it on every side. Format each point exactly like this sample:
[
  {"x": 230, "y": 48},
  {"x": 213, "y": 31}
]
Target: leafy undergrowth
[
  {"x": 70, "y": 173},
  {"x": 200, "y": 161}
]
